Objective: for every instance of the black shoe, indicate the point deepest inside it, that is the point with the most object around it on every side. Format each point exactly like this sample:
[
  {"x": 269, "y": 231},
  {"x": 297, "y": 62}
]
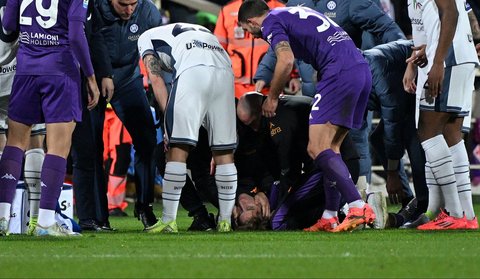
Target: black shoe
[
  {"x": 92, "y": 225},
  {"x": 88, "y": 225},
  {"x": 203, "y": 223},
  {"x": 145, "y": 214},
  {"x": 117, "y": 212},
  {"x": 105, "y": 226}
]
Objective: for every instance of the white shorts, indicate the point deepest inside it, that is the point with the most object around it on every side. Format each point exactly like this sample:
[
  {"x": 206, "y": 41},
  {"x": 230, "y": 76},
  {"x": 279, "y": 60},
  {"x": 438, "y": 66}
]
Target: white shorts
[
  {"x": 456, "y": 95},
  {"x": 202, "y": 95}
]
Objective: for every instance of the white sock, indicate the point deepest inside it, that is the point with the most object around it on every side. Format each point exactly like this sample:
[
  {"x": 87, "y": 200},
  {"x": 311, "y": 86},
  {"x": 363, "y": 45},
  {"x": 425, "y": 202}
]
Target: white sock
[
  {"x": 33, "y": 167},
  {"x": 327, "y": 214},
  {"x": 226, "y": 180},
  {"x": 5, "y": 210},
  {"x": 362, "y": 186},
  {"x": 438, "y": 156},
  {"x": 435, "y": 197},
  {"x": 46, "y": 217},
  {"x": 461, "y": 165},
  {"x": 356, "y": 204},
  {"x": 173, "y": 182}
]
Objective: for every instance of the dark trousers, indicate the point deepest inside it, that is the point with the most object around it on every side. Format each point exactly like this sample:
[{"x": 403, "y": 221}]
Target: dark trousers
[
  {"x": 88, "y": 174},
  {"x": 131, "y": 105}
]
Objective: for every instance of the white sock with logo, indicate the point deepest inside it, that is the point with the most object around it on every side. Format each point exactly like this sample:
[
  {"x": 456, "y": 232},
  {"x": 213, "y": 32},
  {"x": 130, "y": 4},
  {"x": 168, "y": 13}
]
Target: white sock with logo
[
  {"x": 173, "y": 182},
  {"x": 438, "y": 156},
  {"x": 461, "y": 165},
  {"x": 33, "y": 167},
  {"x": 226, "y": 180}
]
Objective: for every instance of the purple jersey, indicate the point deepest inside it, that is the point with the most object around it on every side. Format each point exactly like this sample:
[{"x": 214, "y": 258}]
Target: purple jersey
[
  {"x": 44, "y": 44},
  {"x": 313, "y": 38}
]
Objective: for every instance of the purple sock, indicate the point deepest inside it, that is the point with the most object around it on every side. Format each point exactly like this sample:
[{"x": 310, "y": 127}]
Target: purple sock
[
  {"x": 10, "y": 170},
  {"x": 335, "y": 170},
  {"x": 332, "y": 195},
  {"x": 52, "y": 177}
]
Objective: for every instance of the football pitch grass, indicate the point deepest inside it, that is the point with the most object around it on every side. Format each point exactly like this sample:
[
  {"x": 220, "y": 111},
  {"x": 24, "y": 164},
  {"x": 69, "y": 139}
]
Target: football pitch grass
[{"x": 132, "y": 253}]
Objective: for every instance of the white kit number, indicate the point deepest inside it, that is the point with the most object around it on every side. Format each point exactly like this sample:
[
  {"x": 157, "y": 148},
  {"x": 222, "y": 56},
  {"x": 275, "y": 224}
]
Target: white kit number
[
  {"x": 317, "y": 98},
  {"x": 51, "y": 13},
  {"x": 303, "y": 13}
]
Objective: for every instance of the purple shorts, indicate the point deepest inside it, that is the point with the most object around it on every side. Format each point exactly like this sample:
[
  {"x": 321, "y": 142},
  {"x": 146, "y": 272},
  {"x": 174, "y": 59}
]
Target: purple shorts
[
  {"x": 342, "y": 97},
  {"x": 45, "y": 99}
]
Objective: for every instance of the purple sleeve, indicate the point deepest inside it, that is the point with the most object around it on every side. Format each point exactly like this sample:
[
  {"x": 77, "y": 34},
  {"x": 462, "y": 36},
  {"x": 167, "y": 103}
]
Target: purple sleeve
[
  {"x": 79, "y": 46},
  {"x": 78, "y": 10},
  {"x": 274, "y": 31},
  {"x": 10, "y": 18}
]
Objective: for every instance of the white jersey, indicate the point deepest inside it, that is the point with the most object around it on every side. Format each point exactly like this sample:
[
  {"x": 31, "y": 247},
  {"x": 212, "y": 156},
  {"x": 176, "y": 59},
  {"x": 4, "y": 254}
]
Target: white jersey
[
  {"x": 425, "y": 20},
  {"x": 8, "y": 51},
  {"x": 180, "y": 46}
]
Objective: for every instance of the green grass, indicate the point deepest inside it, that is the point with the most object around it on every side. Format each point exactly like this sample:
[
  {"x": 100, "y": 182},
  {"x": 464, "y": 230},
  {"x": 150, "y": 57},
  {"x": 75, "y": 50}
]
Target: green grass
[{"x": 131, "y": 253}]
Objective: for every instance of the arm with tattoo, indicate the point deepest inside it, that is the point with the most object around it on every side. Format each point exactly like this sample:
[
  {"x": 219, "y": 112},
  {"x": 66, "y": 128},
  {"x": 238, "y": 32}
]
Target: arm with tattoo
[
  {"x": 154, "y": 71},
  {"x": 281, "y": 75}
]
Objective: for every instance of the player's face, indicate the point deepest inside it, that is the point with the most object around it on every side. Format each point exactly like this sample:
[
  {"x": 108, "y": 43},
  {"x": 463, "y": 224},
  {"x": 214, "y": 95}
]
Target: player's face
[
  {"x": 252, "y": 28},
  {"x": 246, "y": 209},
  {"x": 124, "y": 8}
]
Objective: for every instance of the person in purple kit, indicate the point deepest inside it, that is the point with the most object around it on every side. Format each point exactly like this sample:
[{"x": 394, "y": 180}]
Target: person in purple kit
[
  {"x": 46, "y": 89},
  {"x": 344, "y": 84}
]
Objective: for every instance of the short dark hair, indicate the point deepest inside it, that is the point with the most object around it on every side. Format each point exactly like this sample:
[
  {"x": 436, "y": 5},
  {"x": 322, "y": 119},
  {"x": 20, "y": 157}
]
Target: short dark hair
[{"x": 252, "y": 8}]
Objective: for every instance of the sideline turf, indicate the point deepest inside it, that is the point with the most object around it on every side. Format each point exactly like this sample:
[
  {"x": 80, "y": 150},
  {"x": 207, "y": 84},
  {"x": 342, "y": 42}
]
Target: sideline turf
[{"x": 130, "y": 253}]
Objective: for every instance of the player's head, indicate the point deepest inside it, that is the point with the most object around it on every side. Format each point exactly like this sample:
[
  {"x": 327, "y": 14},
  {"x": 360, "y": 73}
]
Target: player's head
[
  {"x": 247, "y": 214},
  {"x": 251, "y": 15},
  {"x": 249, "y": 109},
  {"x": 124, "y": 8}
]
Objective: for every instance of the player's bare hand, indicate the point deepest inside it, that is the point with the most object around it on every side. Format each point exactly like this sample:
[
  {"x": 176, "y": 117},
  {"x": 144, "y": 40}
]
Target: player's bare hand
[
  {"x": 409, "y": 84},
  {"x": 93, "y": 92},
  {"x": 259, "y": 85},
  {"x": 294, "y": 85},
  {"x": 269, "y": 107},
  {"x": 419, "y": 56},
  {"x": 262, "y": 201},
  {"x": 394, "y": 187},
  {"x": 107, "y": 88},
  {"x": 435, "y": 80}
]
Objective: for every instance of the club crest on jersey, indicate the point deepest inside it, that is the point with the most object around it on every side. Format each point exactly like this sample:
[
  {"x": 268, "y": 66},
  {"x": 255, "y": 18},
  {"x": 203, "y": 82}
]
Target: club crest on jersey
[
  {"x": 331, "y": 5},
  {"x": 134, "y": 28},
  {"x": 85, "y": 4}
]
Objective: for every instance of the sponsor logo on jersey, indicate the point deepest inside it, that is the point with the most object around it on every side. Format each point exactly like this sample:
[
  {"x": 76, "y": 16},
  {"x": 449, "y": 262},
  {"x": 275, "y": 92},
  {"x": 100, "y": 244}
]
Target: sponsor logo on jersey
[
  {"x": 42, "y": 184},
  {"x": 274, "y": 130},
  {"x": 200, "y": 44},
  {"x": 331, "y": 5},
  {"x": 134, "y": 28},
  {"x": 8, "y": 176},
  {"x": 7, "y": 69},
  {"x": 417, "y": 5},
  {"x": 39, "y": 39},
  {"x": 338, "y": 37}
]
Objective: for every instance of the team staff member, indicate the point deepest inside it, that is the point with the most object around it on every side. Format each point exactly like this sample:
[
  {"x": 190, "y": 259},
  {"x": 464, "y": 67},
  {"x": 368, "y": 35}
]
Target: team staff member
[
  {"x": 244, "y": 50},
  {"x": 298, "y": 179},
  {"x": 124, "y": 21}
]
